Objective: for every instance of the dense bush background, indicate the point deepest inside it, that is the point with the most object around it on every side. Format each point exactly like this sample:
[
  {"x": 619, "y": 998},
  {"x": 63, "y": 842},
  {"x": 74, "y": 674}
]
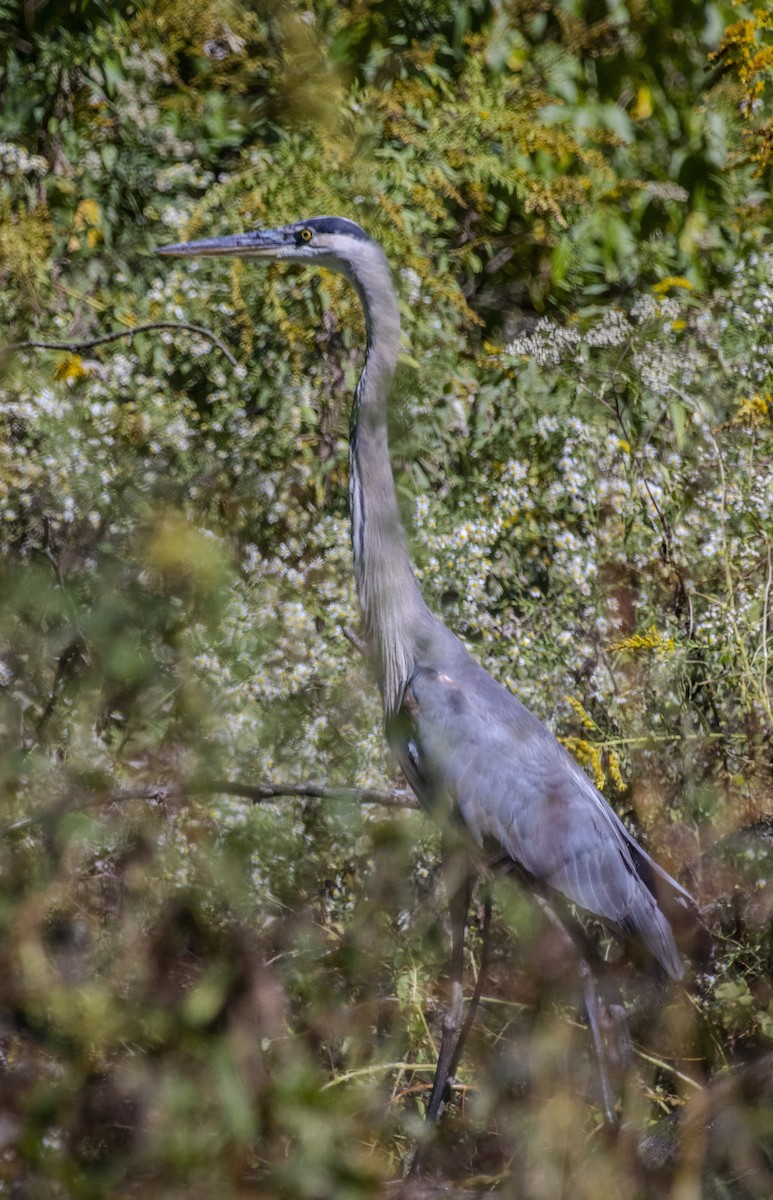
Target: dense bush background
[{"x": 207, "y": 989}]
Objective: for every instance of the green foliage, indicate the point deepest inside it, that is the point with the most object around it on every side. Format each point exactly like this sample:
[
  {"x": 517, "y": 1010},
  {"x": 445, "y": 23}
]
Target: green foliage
[{"x": 204, "y": 996}]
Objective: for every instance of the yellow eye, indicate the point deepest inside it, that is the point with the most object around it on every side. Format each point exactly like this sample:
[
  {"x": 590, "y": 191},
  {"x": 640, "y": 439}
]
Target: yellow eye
[{"x": 306, "y": 235}]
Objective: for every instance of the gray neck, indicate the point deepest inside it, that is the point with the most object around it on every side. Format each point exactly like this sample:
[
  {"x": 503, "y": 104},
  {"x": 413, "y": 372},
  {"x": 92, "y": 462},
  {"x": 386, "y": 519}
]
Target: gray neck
[{"x": 389, "y": 596}]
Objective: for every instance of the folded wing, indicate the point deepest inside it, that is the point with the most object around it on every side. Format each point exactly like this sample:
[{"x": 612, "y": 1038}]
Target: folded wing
[{"x": 467, "y": 744}]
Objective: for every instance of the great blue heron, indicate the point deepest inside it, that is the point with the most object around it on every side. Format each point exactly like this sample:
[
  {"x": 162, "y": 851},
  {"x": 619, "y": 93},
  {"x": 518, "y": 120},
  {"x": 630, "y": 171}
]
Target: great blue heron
[{"x": 469, "y": 749}]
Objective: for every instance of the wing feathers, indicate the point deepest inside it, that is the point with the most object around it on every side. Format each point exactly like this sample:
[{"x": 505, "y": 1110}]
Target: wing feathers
[{"x": 517, "y": 788}]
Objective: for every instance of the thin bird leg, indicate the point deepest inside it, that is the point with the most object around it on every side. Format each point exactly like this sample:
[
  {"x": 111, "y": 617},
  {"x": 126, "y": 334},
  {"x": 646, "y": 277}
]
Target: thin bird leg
[
  {"x": 472, "y": 1007},
  {"x": 454, "y": 1033},
  {"x": 593, "y": 1013},
  {"x": 460, "y": 894}
]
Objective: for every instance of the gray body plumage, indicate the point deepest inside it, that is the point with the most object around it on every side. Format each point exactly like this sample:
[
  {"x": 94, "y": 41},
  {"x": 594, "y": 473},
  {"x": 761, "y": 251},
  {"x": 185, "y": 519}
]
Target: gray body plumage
[
  {"x": 470, "y": 746},
  {"x": 467, "y": 746}
]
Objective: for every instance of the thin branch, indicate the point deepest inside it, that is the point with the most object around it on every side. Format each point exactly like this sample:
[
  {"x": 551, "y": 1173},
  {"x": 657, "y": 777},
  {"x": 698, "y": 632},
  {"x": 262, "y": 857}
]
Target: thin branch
[
  {"x": 765, "y": 622},
  {"x": 355, "y": 639},
  {"x": 375, "y": 1069},
  {"x": 94, "y": 800},
  {"x": 663, "y": 1065},
  {"x": 732, "y": 608},
  {"x": 103, "y": 339},
  {"x": 256, "y": 793},
  {"x": 73, "y": 653}
]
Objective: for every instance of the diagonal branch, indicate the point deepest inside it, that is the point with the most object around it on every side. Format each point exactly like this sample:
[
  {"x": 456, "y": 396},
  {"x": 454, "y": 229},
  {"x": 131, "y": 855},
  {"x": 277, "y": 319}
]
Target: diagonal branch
[
  {"x": 103, "y": 339},
  {"x": 355, "y": 640}
]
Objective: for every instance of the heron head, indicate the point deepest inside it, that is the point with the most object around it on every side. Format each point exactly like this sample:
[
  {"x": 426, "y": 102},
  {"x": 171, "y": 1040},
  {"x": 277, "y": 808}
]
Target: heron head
[{"x": 332, "y": 242}]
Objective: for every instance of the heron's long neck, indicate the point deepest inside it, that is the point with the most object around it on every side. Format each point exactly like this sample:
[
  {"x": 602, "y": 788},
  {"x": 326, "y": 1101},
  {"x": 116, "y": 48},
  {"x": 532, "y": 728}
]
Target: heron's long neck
[{"x": 390, "y": 600}]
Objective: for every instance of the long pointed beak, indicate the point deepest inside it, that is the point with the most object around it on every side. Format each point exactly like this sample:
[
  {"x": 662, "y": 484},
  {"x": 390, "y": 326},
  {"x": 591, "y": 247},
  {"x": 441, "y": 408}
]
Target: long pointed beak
[{"x": 263, "y": 243}]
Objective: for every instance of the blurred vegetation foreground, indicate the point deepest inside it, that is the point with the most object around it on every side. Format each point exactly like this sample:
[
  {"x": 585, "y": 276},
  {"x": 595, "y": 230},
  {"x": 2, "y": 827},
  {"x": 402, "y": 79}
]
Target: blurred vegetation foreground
[{"x": 212, "y": 988}]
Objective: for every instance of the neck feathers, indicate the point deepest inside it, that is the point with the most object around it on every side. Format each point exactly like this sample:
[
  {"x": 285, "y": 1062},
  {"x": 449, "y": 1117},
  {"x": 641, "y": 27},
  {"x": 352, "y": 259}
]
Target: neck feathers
[{"x": 389, "y": 595}]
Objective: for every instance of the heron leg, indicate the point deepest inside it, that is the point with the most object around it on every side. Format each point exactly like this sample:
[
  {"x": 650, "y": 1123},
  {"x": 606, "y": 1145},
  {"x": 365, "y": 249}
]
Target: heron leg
[
  {"x": 593, "y": 1013},
  {"x": 459, "y": 897},
  {"x": 472, "y": 1007},
  {"x": 596, "y": 1018},
  {"x": 454, "y": 1033}
]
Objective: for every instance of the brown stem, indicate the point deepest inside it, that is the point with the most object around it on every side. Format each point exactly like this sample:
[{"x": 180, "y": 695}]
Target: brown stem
[
  {"x": 355, "y": 639},
  {"x": 103, "y": 339},
  {"x": 257, "y": 793}
]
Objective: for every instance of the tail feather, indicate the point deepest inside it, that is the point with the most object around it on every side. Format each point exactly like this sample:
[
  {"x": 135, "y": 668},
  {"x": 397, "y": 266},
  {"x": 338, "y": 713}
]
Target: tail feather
[
  {"x": 677, "y": 917},
  {"x": 653, "y": 929}
]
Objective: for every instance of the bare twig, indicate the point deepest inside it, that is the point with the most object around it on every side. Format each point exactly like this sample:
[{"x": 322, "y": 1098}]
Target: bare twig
[
  {"x": 93, "y": 800},
  {"x": 765, "y": 622},
  {"x": 103, "y": 339},
  {"x": 74, "y": 653},
  {"x": 663, "y": 1065},
  {"x": 355, "y": 639},
  {"x": 256, "y": 793}
]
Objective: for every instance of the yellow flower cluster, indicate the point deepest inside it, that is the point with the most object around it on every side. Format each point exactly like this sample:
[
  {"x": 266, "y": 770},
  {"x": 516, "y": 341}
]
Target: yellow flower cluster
[
  {"x": 588, "y": 754},
  {"x": 745, "y": 52},
  {"x": 70, "y": 368},
  {"x": 663, "y": 286},
  {"x": 615, "y": 770},
  {"x": 753, "y": 411},
  {"x": 87, "y": 225},
  {"x": 582, "y": 713},
  {"x": 652, "y": 639},
  {"x": 741, "y": 47}
]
